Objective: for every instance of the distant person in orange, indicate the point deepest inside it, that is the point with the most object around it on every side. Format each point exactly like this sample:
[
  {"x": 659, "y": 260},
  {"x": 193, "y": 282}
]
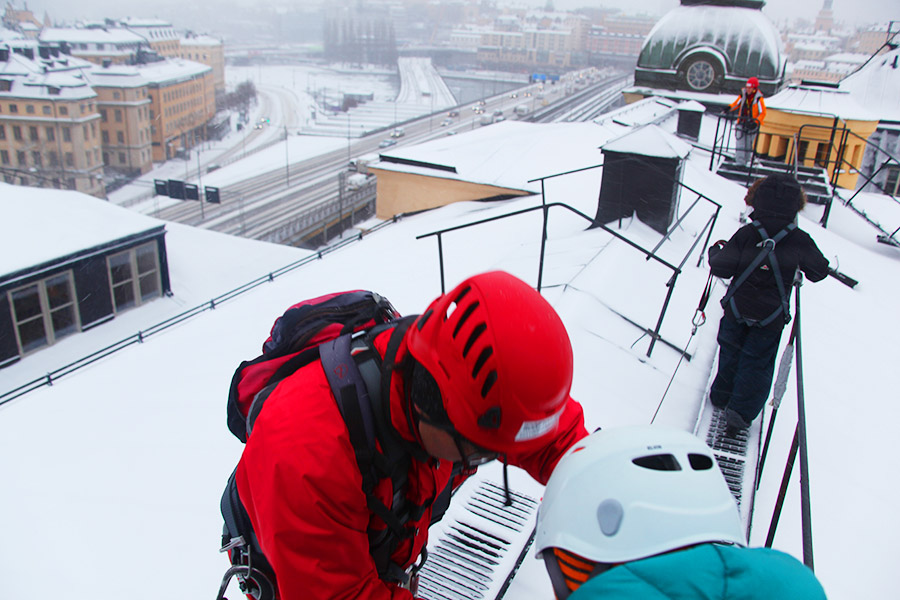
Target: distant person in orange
[{"x": 751, "y": 109}]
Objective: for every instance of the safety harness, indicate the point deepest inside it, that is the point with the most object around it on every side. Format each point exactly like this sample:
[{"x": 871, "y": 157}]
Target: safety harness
[{"x": 767, "y": 251}]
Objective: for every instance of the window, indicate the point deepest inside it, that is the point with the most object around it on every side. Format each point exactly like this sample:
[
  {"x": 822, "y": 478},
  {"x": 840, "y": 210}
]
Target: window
[
  {"x": 33, "y": 133},
  {"x": 36, "y": 158},
  {"x": 120, "y": 137},
  {"x": 17, "y": 133},
  {"x": 29, "y": 108},
  {"x": 103, "y": 115},
  {"x": 104, "y": 135},
  {"x": 45, "y": 109},
  {"x": 4, "y": 157},
  {"x": 54, "y": 161},
  {"x": 892, "y": 181},
  {"x": 2, "y": 132},
  {"x": 121, "y": 158},
  {"x": 20, "y": 158},
  {"x": 87, "y": 133},
  {"x": 70, "y": 161},
  {"x": 51, "y": 134},
  {"x": 63, "y": 110},
  {"x": 134, "y": 276},
  {"x": 44, "y": 312},
  {"x": 118, "y": 115},
  {"x": 13, "y": 108},
  {"x": 116, "y": 95},
  {"x": 67, "y": 134}
]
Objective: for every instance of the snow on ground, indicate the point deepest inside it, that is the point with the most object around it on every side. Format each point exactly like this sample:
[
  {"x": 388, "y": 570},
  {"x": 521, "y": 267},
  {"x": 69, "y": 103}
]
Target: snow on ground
[{"x": 114, "y": 474}]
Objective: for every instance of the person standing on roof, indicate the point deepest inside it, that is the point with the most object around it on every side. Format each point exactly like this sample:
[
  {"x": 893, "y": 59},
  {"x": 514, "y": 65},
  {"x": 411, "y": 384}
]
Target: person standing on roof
[
  {"x": 644, "y": 512},
  {"x": 761, "y": 259},
  {"x": 484, "y": 373},
  {"x": 751, "y": 112}
]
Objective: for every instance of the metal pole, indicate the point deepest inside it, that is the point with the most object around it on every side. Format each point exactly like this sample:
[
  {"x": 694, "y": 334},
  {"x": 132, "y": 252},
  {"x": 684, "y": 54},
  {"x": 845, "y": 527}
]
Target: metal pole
[
  {"x": 662, "y": 314},
  {"x": 287, "y": 164},
  {"x": 441, "y": 262},
  {"x": 805, "y": 511},
  {"x": 785, "y": 479},
  {"x": 546, "y": 210},
  {"x": 199, "y": 185}
]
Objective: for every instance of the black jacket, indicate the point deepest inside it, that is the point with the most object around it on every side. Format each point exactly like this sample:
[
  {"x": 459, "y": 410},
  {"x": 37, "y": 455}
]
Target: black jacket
[{"x": 758, "y": 296}]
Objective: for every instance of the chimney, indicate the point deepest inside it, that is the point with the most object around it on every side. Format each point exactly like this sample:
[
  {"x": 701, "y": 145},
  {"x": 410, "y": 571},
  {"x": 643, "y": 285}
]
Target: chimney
[
  {"x": 4, "y": 54},
  {"x": 690, "y": 116},
  {"x": 641, "y": 176},
  {"x": 107, "y": 62}
]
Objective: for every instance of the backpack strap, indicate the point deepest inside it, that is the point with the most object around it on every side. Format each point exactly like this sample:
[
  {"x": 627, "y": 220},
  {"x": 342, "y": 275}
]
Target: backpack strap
[{"x": 768, "y": 251}]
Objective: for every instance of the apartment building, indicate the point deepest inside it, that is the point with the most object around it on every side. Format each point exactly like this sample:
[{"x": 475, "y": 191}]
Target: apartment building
[
  {"x": 159, "y": 34},
  {"x": 209, "y": 51},
  {"x": 49, "y": 122},
  {"x": 182, "y": 101},
  {"x": 95, "y": 43},
  {"x": 123, "y": 101}
]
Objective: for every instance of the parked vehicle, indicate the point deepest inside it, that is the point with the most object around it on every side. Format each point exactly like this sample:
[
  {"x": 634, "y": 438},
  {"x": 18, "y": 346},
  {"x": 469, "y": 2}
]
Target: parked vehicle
[{"x": 521, "y": 110}]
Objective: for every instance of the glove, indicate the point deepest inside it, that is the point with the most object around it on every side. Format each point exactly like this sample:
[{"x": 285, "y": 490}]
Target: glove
[{"x": 716, "y": 248}]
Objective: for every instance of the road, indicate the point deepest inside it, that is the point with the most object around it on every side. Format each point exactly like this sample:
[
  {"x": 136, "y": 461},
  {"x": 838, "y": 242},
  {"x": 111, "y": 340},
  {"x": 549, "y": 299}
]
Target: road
[{"x": 282, "y": 203}]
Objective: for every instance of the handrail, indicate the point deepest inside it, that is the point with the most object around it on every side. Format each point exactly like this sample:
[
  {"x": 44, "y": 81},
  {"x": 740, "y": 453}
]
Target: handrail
[
  {"x": 140, "y": 336},
  {"x": 799, "y": 443},
  {"x": 545, "y": 208}
]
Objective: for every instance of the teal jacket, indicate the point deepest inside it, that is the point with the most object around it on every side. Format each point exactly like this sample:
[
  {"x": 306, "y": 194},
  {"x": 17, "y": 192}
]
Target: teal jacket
[{"x": 707, "y": 572}]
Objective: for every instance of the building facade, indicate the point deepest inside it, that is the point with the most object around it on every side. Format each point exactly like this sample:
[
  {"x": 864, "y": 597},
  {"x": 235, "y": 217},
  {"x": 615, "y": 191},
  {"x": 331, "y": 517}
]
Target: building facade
[
  {"x": 49, "y": 120},
  {"x": 208, "y": 51},
  {"x": 95, "y": 44},
  {"x": 123, "y": 101}
]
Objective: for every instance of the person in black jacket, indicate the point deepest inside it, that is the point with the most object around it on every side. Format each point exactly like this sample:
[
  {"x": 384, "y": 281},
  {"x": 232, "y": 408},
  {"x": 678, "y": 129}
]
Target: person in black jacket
[{"x": 756, "y": 303}]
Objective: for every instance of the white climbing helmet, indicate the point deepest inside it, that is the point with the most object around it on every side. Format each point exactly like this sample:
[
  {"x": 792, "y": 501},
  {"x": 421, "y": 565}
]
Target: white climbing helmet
[{"x": 629, "y": 493}]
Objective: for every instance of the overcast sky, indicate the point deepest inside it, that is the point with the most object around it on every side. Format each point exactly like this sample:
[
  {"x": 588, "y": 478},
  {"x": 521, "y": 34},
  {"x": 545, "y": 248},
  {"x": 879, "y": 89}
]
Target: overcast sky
[{"x": 854, "y": 11}]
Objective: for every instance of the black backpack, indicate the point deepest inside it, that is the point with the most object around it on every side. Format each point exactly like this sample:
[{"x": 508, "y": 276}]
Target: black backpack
[{"x": 338, "y": 330}]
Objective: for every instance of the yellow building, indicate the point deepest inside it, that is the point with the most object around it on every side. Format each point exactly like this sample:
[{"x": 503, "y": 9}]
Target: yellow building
[
  {"x": 159, "y": 34},
  {"x": 49, "y": 123},
  {"x": 123, "y": 101},
  {"x": 823, "y": 125},
  {"x": 208, "y": 51},
  {"x": 182, "y": 101}
]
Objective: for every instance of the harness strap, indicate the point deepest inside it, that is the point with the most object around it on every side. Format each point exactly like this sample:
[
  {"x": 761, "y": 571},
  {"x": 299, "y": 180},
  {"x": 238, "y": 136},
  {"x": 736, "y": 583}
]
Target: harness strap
[{"x": 768, "y": 247}]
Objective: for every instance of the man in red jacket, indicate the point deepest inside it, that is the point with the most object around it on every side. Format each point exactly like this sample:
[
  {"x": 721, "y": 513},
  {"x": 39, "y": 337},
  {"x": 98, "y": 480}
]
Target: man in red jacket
[{"x": 484, "y": 372}]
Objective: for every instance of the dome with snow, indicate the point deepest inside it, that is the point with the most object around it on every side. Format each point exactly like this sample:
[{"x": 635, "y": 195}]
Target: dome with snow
[{"x": 712, "y": 46}]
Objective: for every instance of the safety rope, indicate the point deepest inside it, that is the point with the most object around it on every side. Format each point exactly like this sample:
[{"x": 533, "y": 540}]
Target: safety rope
[{"x": 698, "y": 320}]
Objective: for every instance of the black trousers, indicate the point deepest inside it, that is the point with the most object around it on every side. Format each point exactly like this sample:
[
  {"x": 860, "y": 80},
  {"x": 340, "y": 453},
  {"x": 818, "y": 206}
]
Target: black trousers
[{"x": 746, "y": 366}]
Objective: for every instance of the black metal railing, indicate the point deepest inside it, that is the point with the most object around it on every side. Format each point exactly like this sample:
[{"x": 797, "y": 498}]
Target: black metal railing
[
  {"x": 649, "y": 254},
  {"x": 143, "y": 334}
]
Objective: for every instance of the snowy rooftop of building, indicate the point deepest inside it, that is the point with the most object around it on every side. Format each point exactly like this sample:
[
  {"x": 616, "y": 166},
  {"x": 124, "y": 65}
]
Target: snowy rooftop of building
[
  {"x": 145, "y": 22},
  {"x": 820, "y": 101},
  {"x": 200, "y": 40},
  {"x": 649, "y": 140},
  {"x": 172, "y": 70},
  {"x": 116, "y": 76},
  {"x": 848, "y": 57},
  {"x": 79, "y": 222},
  {"x": 30, "y": 80},
  {"x": 877, "y": 85},
  {"x": 90, "y": 36}
]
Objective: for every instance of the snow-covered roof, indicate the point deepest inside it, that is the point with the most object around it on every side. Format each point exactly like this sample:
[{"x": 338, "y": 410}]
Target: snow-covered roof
[
  {"x": 8, "y": 34},
  {"x": 744, "y": 35},
  {"x": 847, "y": 57},
  {"x": 877, "y": 85},
  {"x": 79, "y": 222},
  {"x": 90, "y": 36},
  {"x": 506, "y": 154},
  {"x": 121, "y": 76},
  {"x": 200, "y": 40},
  {"x": 691, "y": 106},
  {"x": 812, "y": 100},
  {"x": 145, "y": 22},
  {"x": 171, "y": 70},
  {"x": 649, "y": 140}
]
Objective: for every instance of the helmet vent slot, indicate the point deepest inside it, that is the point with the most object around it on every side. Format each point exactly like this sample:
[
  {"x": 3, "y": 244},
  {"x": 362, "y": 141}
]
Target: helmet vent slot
[
  {"x": 488, "y": 383},
  {"x": 700, "y": 462},
  {"x": 476, "y": 333},
  {"x": 465, "y": 317},
  {"x": 482, "y": 358},
  {"x": 462, "y": 294},
  {"x": 658, "y": 462}
]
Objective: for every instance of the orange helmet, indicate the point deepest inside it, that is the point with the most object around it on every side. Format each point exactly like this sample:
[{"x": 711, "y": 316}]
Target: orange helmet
[{"x": 501, "y": 358}]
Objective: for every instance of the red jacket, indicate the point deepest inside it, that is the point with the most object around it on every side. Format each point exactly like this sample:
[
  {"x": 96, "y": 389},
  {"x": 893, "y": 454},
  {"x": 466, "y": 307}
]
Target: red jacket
[{"x": 300, "y": 483}]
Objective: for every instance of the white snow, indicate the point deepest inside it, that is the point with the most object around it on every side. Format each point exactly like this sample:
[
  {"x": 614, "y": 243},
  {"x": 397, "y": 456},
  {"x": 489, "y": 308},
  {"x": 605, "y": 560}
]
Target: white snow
[{"x": 112, "y": 476}]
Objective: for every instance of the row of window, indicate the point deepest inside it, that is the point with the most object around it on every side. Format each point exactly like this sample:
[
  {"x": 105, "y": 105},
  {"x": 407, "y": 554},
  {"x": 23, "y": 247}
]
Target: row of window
[
  {"x": 34, "y": 133},
  {"x": 118, "y": 114},
  {"x": 123, "y": 159},
  {"x": 46, "y": 109},
  {"x": 37, "y": 158},
  {"x": 181, "y": 92},
  {"x": 47, "y": 311},
  {"x": 143, "y": 136}
]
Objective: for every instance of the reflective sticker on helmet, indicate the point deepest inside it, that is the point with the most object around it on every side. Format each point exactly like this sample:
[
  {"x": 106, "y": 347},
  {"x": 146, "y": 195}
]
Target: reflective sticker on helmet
[{"x": 532, "y": 430}]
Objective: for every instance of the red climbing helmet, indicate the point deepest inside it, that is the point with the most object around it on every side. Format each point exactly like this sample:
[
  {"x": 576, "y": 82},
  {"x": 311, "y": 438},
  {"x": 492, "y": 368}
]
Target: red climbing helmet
[
  {"x": 753, "y": 82},
  {"x": 502, "y": 360}
]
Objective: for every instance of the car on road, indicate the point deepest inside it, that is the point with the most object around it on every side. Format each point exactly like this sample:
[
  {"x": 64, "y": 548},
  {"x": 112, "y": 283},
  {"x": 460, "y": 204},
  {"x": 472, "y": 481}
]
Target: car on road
[
  {"x": 387, "y": 143},
  {"x": 451, "y": 132},
  {"x": 446, "y": 122},
  {"x": 453, "y": 113},
  {"x": 398, "y": 133},
  {"x": 514, "y": 95},
  {"x": 498, "y": 113}
]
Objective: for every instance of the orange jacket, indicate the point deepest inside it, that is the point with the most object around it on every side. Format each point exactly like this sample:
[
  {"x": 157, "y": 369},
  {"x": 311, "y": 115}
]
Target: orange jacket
[{"x": 757, "y": 106}]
